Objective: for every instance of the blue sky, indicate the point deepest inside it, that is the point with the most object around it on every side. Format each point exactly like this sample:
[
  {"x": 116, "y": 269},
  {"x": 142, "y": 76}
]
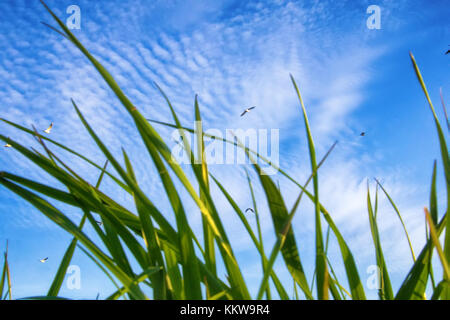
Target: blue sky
[{"x": 232, "y": 54}]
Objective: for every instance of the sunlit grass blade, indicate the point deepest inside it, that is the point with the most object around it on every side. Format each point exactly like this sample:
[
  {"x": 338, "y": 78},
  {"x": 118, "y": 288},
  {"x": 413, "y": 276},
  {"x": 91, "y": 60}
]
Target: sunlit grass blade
[
  {"x": 415, "y": 283},
  {"x": 444, "y": 154},
  {"x": 321, "y": 263},
  {"x": 208, "y": 235}
]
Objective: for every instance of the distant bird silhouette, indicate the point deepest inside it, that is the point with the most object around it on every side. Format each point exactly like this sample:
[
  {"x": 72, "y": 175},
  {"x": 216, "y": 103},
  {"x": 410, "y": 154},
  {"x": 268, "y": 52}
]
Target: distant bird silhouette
[
  {"x": 362, "y": 134},
  {"x": 49, "y": 128},
  {"x": 44, "y": 260},
  {"x": 249, "y": 209},
  {"x": 99, "y": 223},
  {"x": 247, "y": 110},
  {"x": 448, "y": 51}
]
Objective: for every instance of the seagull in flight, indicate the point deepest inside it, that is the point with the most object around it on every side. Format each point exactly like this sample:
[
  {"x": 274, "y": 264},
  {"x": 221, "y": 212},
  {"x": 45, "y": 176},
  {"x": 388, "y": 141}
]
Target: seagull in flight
[
  {"x": 247, "y": 110},
  {"x": 44, "y": 260},
  {"x": 49, "y": 128},
  {"x": 249, "y": 209}
]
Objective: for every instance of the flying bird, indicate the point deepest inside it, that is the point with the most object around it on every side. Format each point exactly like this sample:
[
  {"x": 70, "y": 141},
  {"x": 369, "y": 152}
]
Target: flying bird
[
  {"x": 249, "y": 209},
  {"x": 247, "y": 110},
  {"x": 49, "y": 128},
  {"x": 7, "y": 145},
  {"x": 44, "y": 260},
  {"x": 448, "y": 51},
  {"x": 99, "y": 223},
  {"x": 362, "y": 134}
]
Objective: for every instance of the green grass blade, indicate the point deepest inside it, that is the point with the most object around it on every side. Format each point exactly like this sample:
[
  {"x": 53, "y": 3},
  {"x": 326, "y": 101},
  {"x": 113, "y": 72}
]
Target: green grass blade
[
  {"x": 414, "y": 285},
  {"x": 444, "y": 154},
  {"x": 385, "y": 292},
  {"x": 60, "y": 219},
  {"x": 321, "y": 263},
  {"x": 400, "y": 217}
]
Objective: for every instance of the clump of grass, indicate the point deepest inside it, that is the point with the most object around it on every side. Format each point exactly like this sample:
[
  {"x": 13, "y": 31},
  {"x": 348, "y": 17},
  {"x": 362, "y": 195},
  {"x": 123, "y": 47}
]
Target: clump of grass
[{"x": 172, "y": 263}]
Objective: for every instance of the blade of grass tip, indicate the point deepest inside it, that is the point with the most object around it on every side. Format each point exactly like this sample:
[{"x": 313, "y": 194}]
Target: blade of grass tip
[
  {"x": 2, "y": 279},
  {"x": 385, "y": 292},
  {"x": 321, "y": 264},
  {"x": 60, "y": 274},
  {"x": 444, "y": 108},
  {"x": 433, "y": 196},
  {"x": 400, "y": 217},
  {"x": 444, "y": 154},
  {"x": 415, "y": 283},
  {"x": 208, "y": 235}
]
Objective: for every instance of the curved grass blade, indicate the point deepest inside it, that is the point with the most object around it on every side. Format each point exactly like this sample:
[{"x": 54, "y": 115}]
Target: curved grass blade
[
  {"x": 385, "y": 292},
  {"x": 400, "y": 217},
  {"x": 444, "y": 154},
  {"x": 321, "y": 263}
]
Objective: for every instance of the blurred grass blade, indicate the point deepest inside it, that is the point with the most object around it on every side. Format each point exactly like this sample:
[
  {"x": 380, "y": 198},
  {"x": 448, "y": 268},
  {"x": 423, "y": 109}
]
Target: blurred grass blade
[
  {"x": 60, "y": 219},
  {"x": 60, "y": 274}
]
